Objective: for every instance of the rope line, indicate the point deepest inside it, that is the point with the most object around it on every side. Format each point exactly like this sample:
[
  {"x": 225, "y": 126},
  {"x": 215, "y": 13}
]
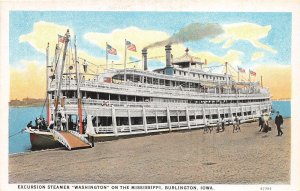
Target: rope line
[{"x": 22, "y": 130}]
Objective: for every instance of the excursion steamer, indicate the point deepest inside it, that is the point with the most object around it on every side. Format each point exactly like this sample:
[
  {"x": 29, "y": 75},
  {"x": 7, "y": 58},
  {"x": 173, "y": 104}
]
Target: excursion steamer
[{"x": 123, "y": 102}]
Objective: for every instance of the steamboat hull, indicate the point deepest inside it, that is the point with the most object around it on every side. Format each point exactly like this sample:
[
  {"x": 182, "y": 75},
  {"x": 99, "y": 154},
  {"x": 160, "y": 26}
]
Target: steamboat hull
[{"x": 42, "y": 140}]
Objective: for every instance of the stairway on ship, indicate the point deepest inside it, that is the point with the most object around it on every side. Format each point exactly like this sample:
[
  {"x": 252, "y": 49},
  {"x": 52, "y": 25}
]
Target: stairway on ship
[{"x": 73, "y": 141}]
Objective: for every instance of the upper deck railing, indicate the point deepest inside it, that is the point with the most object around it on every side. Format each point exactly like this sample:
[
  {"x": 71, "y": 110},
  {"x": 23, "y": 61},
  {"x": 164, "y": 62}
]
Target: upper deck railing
[
  {"x": 94, "y": 102},
  {"x": 130, "y": 88}
]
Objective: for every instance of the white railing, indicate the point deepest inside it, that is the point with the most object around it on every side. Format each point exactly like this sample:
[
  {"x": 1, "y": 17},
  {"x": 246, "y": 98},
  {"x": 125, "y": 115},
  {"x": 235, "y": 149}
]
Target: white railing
[
  {"x": 60, "y": 138},
  {"x": 148, "y": 89},
  {"x": 97, "y": 103},
  {"x": 104, "y": 129},
  {"x": 157, "y": 127}
]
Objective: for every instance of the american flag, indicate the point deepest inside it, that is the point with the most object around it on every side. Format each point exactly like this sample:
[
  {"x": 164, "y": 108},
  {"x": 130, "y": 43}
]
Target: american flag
[
  {"x": 130, "y": 46},
  {"x": 111, "y": 50},
  {"x": 241, "y": 69},
  {"x": 252, "y": 73},
  {"x": 61, "y": 38}
]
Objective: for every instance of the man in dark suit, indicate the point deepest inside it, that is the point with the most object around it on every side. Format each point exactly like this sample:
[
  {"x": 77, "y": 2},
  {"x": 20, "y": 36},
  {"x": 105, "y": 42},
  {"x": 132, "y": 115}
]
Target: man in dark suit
[{"x": 279, "y": 122}]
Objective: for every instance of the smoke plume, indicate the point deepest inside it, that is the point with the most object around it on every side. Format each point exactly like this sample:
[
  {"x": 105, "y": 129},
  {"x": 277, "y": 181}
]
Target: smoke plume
[{"x": 192, "y": 32}]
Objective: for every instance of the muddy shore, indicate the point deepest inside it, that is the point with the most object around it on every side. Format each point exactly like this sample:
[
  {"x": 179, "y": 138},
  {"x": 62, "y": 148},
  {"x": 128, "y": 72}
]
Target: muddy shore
[{"x": 246, "y": 157}]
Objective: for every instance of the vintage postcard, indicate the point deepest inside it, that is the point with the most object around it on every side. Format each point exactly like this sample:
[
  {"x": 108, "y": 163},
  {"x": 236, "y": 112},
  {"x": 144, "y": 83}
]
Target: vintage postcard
[{"x": 150, "y": 95}]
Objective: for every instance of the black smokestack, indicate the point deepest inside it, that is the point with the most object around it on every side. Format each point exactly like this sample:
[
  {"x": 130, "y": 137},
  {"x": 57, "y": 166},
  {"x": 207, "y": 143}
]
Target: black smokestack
[
  {"x": 191, "y": 32},
  {"x": 168, "y": 55},
  {"x": 144, "y": 53}
]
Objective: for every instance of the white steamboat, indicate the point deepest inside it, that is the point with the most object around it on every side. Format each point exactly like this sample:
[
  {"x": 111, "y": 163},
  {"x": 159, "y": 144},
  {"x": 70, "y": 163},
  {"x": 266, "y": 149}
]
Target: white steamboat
[{"x": 123, "y": 102}]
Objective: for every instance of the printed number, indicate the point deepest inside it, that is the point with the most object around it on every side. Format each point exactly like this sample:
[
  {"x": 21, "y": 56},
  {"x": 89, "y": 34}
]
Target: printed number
[{"x": 265, "y": 188}]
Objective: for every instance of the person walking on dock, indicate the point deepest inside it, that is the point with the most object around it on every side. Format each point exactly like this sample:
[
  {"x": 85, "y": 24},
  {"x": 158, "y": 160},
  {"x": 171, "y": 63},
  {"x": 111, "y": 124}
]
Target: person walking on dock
[
  {"x": 236, "y": 124},
  {"x": 261, "y": 122},
  {"x": 223, "y": 124},
  {"x": 279, "y": 122},
  {"x": 206, "y": 124}
]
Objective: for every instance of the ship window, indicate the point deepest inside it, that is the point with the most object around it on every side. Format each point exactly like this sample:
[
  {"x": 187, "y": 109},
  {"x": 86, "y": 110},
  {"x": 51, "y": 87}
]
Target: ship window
[
  {"x": 194, "y": 74},
  {"x": 215, "y": 116},
  {"x": 174, "y": 71},
  {"x": 184, "y": 73},
  {"x": 199, "y": 117},
  {"x": 179, "y": 72},
  {"x": 182, "y": 118}
]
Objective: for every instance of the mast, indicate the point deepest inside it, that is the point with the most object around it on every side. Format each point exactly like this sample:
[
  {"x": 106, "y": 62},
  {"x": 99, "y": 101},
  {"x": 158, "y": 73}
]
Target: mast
[
  {"x": 106, "y": 56},
  {"x": 67, "y": 36},
  {"x": 47, "y": 84},
  {"x": 66, "y": 41},
  {"x": 125, "y": 63},
  {"x": 78, "y": 89},
  {"x": 226, "y": 72},
  {"x": 261, "y": 81},
  {"x": 249, "y": 76}
]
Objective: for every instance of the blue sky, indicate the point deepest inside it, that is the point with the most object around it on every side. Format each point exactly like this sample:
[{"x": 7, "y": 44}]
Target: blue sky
[
  {"x": 279, "y": 37},
  {"x": 256, "y": 41}
]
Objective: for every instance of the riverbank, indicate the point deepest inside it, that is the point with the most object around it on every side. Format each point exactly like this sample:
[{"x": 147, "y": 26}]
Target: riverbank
[{"x": 247, "y": 157}]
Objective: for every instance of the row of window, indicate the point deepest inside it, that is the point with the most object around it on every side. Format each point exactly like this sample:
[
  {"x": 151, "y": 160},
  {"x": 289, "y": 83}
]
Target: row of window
[{"x": 203, "y": 76}]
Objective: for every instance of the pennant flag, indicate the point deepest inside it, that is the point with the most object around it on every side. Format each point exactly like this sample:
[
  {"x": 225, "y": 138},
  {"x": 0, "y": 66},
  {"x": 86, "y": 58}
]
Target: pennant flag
[
  {"x": 111, "y": 50},
  {"x": 130, "y": 46},
  {"x": 61, "y": 39},
  {"x": 252, "y": 73},
  {"x": 242, "y": 70}
]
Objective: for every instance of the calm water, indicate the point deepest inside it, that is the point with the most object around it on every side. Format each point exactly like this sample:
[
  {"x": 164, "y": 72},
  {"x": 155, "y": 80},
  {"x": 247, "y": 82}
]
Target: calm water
[{"x": 19, "y": 117}]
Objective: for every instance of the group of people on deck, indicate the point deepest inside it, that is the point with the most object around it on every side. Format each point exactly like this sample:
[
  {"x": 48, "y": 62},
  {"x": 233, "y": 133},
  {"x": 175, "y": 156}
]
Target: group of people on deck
[
  {"x": 263, "y": 124},
  {"x": 40, "y": 123}
]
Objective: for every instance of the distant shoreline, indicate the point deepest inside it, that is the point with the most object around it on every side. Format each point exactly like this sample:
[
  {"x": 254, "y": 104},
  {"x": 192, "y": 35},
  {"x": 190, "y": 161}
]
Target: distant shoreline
[
  {"x": 27, "y": 102},
  {"x": 31, "y": 105}
]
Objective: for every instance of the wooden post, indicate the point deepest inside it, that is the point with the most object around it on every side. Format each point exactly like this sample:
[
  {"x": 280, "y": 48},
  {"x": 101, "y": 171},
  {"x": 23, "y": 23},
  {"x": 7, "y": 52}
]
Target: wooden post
[
  {"x": 242, "y": 112},
  {"x": 188, "y": 117},
  {"x": 169, "y": 118},
  {"x": 156, "y": 120},
  {"x": 219, "y": 116},
  {"x": 114, "y": 120},
  {"x": 204, "y": 116},
  {"x": 145, "y": 120},
  {"x": 231, "y": 115},
  {"x": 178, "y": 121},
  {"x": 129, "y": 120},
  {"x": 80, "y": 116},
  {"x": 252, "y": 116}
]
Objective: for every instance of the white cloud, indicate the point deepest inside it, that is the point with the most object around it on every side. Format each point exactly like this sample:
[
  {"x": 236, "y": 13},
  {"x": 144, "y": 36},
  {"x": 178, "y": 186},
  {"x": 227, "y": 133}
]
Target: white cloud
[
  {"x": 249, "y": 32},
  {"x": 44, "y": 32}
]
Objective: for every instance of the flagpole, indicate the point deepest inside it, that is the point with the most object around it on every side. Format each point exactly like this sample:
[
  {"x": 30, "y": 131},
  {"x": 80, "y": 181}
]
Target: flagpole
[
  {"x": 106, "y": 57},
  {"x": 249, "y": 76},
  {"x": 125, "y": 62}
]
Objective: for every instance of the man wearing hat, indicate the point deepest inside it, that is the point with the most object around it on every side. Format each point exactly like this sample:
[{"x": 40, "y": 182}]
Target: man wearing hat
[{"x": 279, "y": 122}]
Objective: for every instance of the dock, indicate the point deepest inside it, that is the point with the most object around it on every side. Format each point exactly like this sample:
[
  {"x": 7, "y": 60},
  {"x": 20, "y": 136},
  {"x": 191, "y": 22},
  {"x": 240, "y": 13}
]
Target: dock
[{"x": 192, "y": 157}]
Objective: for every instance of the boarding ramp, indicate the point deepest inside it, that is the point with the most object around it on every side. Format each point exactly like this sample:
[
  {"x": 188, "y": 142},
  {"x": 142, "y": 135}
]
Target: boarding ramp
[{"x": 71, "y": 139}]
